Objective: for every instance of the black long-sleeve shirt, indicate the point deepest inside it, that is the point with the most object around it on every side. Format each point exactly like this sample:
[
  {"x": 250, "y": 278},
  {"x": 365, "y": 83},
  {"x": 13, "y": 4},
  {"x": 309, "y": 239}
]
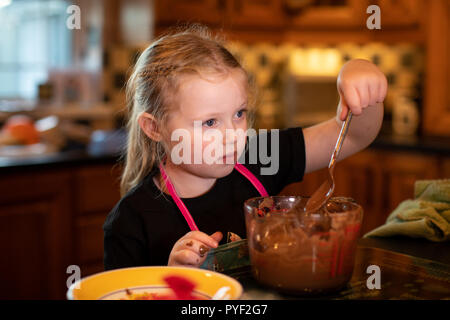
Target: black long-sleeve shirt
[{"x": 145, "y": 224}]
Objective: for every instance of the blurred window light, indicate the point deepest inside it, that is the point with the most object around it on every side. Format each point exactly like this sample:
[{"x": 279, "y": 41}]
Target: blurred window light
[
  {"x": 4, "y": 3},
  {"x": 33, "y": 39}
]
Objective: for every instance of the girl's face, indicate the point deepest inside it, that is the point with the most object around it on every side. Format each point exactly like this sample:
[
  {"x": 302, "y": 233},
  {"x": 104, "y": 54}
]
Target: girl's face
[{"x": 215, "y": 108}]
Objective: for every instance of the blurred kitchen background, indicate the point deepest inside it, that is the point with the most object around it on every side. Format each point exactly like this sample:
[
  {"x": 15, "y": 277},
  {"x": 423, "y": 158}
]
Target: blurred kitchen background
[{"x": 62, "y": 108}]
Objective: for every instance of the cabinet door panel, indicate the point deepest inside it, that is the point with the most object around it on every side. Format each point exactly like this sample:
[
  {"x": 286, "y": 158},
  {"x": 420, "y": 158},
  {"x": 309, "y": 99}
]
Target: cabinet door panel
[
  {"x": 400, "y": 13},
  {"x": 98, "y": 188},
  {"x": 25, "y": 242},
  {"x": 436, "y": 113},
  {"x": 325, "y": 14},
  {"x": 34, "y": 236},
  {"x": 445, "y": 168},
  {"x": 401, "y": 172},
  {"x": 259, "y": 13},
  {"x": 89, "y": 234},
  {"x": 307, "y": 186},
  {"x": 207, "y": 11},
  {"x": 359, "y": 177},
  {"x": 91, "y": 268}
]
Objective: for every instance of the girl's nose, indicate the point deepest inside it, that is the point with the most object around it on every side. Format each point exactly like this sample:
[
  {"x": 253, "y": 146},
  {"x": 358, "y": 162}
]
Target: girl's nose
[
  {"x": 234, "y": 137},
  {"x": 230, "y": 134}
]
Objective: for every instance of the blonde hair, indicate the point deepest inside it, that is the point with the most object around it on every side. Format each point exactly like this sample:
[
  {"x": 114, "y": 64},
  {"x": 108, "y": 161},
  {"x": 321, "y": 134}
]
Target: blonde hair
[{"x": 155, "y": 78}]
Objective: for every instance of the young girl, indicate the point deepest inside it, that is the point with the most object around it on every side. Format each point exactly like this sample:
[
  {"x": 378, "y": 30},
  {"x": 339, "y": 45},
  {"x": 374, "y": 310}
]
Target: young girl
[{"x": 172, "y": 213}]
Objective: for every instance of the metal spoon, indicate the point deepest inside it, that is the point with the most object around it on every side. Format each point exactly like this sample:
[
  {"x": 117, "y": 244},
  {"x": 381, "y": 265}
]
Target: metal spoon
[{"x": 321, "y": 196}]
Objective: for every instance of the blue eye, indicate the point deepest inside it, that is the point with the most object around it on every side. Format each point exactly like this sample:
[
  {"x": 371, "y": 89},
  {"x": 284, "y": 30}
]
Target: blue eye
[
  {"x": 209, "y": 123},
  {"x": 240, "y": 113}
]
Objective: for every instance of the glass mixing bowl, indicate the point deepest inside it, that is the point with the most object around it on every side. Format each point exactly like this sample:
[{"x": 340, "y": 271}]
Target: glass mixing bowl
[{"x": 299, "y": 253}]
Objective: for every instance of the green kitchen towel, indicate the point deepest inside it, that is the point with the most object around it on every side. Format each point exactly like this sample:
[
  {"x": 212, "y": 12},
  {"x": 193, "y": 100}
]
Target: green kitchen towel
[{"x": 427, "y": 216}]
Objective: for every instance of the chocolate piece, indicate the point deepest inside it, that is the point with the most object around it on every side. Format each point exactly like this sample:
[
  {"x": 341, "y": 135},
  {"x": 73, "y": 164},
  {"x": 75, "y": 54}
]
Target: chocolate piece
[
  {"x": 203, "y": 250},
  {"x": 267, "y": 202},
  {"x": 231, "y": 237}
]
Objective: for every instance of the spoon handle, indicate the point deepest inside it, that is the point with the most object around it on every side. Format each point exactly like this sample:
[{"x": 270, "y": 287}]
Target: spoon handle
[{"x": 340, "y": 139}]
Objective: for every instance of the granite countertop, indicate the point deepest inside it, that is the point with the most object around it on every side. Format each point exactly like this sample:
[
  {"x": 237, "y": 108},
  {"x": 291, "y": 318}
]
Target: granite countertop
[
  {"x": 410, "y": 269},
  {"x": 63, "y": 158},
  {"x": 105, "y": 147},
  {"x": 415, "y": 247},
  {"x": 428, "y": 145}
]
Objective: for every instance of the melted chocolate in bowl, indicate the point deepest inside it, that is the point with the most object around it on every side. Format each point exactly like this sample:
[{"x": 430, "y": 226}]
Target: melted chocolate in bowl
[{"x": 298, "y": 253}]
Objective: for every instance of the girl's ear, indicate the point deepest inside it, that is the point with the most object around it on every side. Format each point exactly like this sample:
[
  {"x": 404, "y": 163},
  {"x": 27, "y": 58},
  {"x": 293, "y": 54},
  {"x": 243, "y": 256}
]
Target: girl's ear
[{"x": 149, "y": 125}]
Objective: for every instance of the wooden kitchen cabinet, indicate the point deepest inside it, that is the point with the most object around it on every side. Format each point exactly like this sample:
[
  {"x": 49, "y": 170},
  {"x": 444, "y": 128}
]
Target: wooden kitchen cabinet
[
  {"x": 211, "y": 12},
  {"x": 221, "y": 13},
  {"x": 34, "y": 235},
  {"x": 352, "y": 14},
  {"x": 400, "y": 13},
  {"x": 446, "y": 168},
  {"x": 298, "y": 21},
  {"x": 97, "y": 187},
  {"x": 97, "y": 190},
  {"x": 317, "y": 14},
  {"x": 436, "y": 112},
  {"x": 51, "y": 218},
  {"x": 400, "y": 172},
  {"x": 325, "y": 14},
  {"x": 256, "y": 13}
]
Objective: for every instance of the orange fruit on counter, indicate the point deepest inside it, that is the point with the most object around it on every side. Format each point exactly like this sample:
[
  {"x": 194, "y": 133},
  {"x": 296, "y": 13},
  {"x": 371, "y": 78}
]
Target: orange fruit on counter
[{"x": 22, "y": 129}]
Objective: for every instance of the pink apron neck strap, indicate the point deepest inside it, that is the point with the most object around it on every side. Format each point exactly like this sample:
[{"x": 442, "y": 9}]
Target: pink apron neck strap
[
  {"x": 185, "y": 212},
  {"x": 178, "y": 202},
  {"x": 251, "y": 177}
]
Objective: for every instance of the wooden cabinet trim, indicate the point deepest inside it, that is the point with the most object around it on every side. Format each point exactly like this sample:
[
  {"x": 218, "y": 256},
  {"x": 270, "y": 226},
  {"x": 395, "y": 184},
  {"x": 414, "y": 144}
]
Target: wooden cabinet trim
[{"x": 436, "y": 115}]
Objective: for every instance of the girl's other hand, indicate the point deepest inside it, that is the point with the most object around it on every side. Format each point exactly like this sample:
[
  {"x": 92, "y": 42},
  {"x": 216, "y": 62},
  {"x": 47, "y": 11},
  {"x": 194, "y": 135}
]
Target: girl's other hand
[
  {"x": 360, "y": 84},
  {"x": 192, "y": 248}
]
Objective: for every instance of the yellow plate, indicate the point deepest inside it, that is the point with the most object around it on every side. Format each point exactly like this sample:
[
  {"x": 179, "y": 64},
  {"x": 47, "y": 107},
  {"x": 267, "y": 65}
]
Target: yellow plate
[{"x": 111, "y": 285}]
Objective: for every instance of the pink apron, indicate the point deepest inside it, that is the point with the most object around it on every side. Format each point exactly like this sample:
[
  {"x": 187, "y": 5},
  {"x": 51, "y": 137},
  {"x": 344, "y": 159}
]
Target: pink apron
[{"x": 239, "y": 167}]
